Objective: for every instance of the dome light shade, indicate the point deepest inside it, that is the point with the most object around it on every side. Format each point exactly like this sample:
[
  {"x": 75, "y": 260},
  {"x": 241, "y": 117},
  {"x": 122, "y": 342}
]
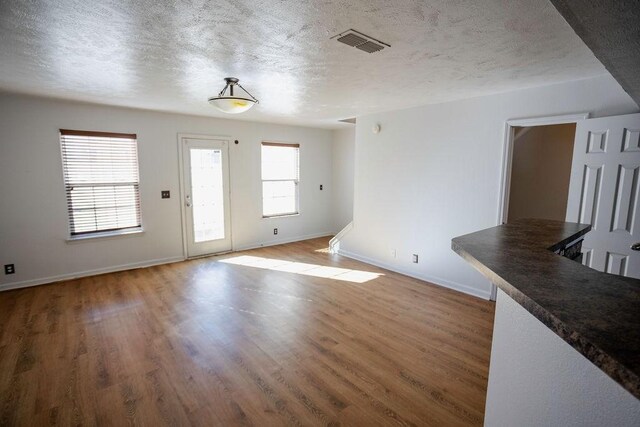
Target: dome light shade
[{"x": 231, "y": 103}]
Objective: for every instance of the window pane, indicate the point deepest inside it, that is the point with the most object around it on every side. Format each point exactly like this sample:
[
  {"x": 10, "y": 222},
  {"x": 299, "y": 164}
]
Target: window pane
[
  {"x": 280, "y": 163},
  {"x": 207, "y": 194},
  {"x": 101, "y": 179},
  {"x": 101, "y": 208},
  {"x": 279, "y": 198},
  {"x": 98, "y": 159}
]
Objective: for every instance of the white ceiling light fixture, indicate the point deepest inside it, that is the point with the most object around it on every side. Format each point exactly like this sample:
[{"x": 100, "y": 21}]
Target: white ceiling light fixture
[{"x": 231, "y": 103}]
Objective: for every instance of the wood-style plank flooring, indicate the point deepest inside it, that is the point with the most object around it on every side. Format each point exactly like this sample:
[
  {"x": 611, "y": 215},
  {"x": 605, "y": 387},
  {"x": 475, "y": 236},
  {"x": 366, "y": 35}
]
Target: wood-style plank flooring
[{"x": 247, "y": 338}]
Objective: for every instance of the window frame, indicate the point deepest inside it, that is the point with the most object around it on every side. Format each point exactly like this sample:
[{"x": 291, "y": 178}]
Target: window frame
[
  {"x": 101, "y": 233},
  {"x": 295, "y": 181}
]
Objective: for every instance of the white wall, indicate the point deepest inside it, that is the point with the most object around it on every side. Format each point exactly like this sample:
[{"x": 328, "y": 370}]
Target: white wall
[
  {"x": 433, "y": 173},
  {"x": 343, "y": 167},
  {"x": 33, "y": 216},
  {"x": 537, "y": 379}
]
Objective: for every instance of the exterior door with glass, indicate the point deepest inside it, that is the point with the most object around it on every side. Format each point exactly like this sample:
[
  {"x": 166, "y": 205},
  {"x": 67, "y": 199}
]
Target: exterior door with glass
[{"x": 205, "y": 178}]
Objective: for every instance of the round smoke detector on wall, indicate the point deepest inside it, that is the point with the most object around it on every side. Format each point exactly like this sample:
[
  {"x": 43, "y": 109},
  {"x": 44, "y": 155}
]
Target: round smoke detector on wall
[{"x": 376, "y": 128}]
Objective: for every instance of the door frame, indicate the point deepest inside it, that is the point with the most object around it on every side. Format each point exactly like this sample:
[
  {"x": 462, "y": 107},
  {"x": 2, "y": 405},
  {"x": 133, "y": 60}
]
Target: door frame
[
  {"x": 183, "y": 211},
  {"x": 507, "y": 159},
  {"x": 507, "y": 152}
]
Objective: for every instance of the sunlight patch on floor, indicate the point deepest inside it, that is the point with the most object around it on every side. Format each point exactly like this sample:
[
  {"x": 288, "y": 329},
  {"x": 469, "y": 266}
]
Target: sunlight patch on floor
[
  {"x": 278, "y": 294},
  {"x": 315, "y": 270}
]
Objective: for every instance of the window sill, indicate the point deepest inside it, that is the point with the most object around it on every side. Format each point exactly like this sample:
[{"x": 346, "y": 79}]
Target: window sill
[
  {"x": 280, "y": 216},
  {"x": 106, "y": 235}
]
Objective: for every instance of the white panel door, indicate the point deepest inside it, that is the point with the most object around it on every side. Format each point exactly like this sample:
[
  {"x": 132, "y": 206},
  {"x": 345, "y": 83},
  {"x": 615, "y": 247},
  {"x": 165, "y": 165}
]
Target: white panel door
[
  {"x": 205, "y": 177},
  {"x": 604, "y": 192}
]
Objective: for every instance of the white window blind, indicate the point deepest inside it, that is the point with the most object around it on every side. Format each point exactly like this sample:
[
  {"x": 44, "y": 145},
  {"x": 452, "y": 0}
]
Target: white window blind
[
  {"x": 280, "y": 177},
  {"x": 101, "y": 181}
]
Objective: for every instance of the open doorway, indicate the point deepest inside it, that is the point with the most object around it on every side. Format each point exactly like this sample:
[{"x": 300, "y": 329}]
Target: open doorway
[
  {"x": 549, "y": 167},
  {"x": 540, "y": 171}
]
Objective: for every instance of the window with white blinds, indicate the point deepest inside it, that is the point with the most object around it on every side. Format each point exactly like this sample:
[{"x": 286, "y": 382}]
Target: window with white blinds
[
  {"x": 101, "y": 181},
  {"x": 280, "y": 177}
]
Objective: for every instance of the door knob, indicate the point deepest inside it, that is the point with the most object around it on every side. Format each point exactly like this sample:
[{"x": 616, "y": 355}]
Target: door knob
[{"x": 635, "y": 247}]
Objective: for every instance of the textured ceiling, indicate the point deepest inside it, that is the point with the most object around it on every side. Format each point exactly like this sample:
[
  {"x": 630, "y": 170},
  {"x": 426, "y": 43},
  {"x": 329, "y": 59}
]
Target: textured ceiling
[
  {"x": 172, "y": 55},
  {"x": 612, "y": 31}
]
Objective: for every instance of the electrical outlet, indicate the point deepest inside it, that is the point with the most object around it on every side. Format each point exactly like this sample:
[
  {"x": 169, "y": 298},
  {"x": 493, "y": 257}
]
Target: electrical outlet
[
  {"x": 320, "y": 187},
  {"x": 166, "y": 194},
  {"x": 393, "y": 253},
  {"x": 9, "y": 269},
  {"x": 415, "y": 258},
  {"x": 275, "y": 231}
]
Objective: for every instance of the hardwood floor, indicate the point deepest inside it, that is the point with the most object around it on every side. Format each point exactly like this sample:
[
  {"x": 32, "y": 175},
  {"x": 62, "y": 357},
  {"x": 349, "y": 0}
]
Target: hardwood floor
[{"x": 230, "y": 340}]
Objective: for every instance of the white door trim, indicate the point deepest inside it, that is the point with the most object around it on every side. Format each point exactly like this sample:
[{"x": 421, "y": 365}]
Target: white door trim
[
  {"x": 507, "y": 152},
  {"x": 183, "y": 212},
  {"x": 507, "y": 158}
]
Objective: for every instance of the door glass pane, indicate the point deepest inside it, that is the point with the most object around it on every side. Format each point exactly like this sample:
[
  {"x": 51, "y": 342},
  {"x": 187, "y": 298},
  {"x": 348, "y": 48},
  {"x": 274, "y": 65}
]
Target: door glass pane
[{"x": 207, "y": 194}]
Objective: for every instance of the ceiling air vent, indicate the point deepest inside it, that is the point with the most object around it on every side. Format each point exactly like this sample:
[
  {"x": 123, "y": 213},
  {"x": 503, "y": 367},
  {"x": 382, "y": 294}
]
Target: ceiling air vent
[
  {"x": 360, "y": 41},
  {"x": 370, "y": 47}
]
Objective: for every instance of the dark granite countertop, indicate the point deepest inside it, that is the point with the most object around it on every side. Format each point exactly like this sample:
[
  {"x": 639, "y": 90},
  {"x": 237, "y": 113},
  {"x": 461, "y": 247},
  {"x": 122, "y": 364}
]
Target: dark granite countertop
[{"x": 596, "y": 313}]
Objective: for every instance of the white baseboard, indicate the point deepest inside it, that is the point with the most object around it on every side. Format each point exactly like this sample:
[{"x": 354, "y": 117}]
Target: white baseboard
[
  {"x": 427, "y": 278},
  {"x": 150, "y": 263},
  {"x": 281, "y": 241},
  {"x": 77, "y": 275},
  {"x": 432, "y": 279}
]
